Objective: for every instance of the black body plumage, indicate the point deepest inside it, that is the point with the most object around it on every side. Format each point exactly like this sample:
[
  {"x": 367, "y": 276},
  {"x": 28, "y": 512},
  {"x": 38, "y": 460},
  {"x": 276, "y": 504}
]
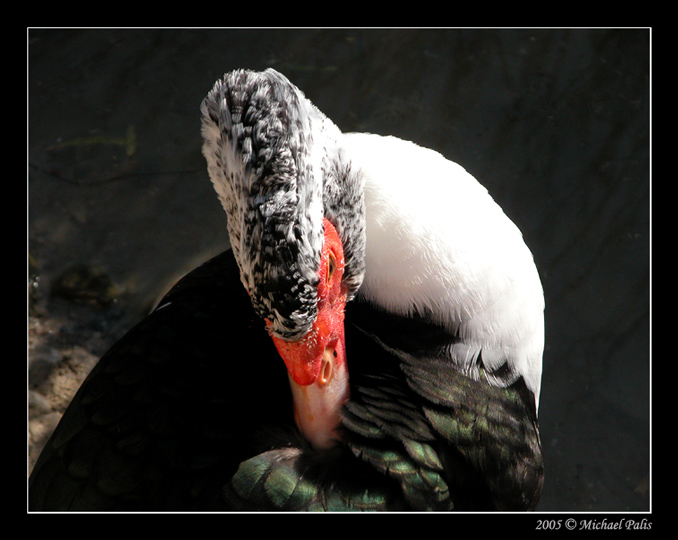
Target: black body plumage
[{"x": 167, "y": 421}]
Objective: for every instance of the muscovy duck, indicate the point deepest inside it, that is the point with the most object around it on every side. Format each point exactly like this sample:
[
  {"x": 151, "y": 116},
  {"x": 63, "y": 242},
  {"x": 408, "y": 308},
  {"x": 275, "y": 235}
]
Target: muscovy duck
[{"x": 373, "y": 341}]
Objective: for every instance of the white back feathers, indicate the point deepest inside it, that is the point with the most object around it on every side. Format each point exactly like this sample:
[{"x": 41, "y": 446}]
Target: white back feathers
[{"x": 439, "y": 246}]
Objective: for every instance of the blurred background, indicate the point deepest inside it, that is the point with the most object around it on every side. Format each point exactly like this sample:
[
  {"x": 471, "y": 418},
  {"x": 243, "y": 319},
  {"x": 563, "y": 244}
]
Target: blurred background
[{"x": 555, "y": 123}]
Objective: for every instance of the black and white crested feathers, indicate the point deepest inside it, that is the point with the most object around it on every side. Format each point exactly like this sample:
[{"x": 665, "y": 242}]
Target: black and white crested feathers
[{"x": 276, "y": 163}]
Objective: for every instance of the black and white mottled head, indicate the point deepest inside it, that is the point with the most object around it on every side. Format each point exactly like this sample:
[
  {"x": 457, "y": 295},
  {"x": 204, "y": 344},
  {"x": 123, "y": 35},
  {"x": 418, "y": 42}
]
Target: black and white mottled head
[{"x": 278, "y": 166}]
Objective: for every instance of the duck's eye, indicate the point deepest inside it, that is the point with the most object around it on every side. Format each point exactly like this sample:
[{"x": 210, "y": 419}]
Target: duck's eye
[{"x": 331, "y": 267}]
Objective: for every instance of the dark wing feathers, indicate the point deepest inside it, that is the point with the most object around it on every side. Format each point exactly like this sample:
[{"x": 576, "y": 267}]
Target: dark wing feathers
[
  {"x": 389, "y": 432},
  {"x": 482, "y": 440},
  {"x": 286, "y": 479}
]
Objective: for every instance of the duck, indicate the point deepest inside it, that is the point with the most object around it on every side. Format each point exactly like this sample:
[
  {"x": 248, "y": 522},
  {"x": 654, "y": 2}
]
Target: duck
[{"x": 371, "y": 341}]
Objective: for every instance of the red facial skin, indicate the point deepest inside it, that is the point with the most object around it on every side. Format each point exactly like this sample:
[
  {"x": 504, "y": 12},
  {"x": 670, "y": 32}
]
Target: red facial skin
[
  {"x": 316, "y": 364},
  {"x": 304, "y": 358}
]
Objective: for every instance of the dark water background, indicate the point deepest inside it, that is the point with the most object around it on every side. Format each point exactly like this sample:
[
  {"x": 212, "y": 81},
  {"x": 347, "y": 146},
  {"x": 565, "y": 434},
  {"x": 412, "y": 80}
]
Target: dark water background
[{"x": 555, "y": 123}]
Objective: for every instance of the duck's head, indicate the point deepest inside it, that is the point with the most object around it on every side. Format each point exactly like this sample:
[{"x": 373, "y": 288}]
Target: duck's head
[{"x": 296, "y": 224}]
